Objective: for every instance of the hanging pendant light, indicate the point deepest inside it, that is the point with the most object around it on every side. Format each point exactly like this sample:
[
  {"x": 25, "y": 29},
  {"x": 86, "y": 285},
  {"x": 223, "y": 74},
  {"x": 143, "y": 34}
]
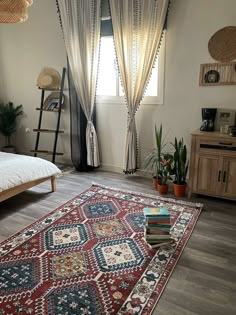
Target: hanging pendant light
[{"x": 14, "y": 11}]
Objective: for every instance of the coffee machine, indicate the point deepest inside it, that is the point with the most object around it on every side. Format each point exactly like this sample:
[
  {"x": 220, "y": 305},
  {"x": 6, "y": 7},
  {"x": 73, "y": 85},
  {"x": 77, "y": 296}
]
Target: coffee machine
[{"x": 208, "y": 118}]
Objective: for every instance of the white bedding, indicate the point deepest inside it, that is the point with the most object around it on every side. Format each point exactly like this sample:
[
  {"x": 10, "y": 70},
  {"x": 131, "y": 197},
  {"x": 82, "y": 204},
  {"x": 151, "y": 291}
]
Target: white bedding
[{"x": 18, "y": 169}]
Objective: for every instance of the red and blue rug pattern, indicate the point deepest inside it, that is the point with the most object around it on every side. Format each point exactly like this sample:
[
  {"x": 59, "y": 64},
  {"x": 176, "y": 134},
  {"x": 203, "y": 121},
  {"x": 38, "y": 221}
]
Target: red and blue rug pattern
[{"x": 89, "y": 256}]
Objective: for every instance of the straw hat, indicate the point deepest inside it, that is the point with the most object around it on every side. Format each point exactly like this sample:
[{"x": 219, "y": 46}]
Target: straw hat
[
  {"x": 49, "y": 78},
  {"x": 14, "y": 11},
  {"x": 222, "y": 45}
]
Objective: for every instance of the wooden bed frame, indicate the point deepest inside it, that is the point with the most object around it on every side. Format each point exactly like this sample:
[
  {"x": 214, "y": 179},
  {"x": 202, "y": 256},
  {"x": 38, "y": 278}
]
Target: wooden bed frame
[{"x": 18, "y": 189}]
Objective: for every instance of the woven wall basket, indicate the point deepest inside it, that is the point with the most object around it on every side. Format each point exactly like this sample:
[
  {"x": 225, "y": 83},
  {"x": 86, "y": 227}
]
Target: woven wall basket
[
  {"x": 222, "y": 45},
  {"x": 14, "y": 11}
]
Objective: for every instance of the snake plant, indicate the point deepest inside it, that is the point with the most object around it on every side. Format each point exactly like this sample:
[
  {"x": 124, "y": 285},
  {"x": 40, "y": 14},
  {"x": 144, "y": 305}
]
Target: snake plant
[
  {"x": 153, "y": 160},
  {"x": 180, "y": 162}
]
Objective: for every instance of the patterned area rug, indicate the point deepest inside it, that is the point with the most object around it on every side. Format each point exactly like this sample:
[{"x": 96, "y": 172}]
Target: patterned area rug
[{"x": 89, "y": 257}]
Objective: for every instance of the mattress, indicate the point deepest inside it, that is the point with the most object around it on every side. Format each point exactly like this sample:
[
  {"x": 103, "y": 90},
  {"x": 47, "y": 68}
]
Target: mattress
[{"x": 18, "y": 169}]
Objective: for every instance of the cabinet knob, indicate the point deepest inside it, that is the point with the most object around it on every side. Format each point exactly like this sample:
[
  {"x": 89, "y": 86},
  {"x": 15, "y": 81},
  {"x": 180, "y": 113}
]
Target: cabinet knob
[{"x": 219, "y": 175}]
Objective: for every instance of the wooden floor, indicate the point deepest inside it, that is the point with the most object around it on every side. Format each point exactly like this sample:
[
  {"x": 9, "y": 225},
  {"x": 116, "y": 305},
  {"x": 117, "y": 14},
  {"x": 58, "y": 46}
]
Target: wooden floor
[{"x": 204, "y": 280}]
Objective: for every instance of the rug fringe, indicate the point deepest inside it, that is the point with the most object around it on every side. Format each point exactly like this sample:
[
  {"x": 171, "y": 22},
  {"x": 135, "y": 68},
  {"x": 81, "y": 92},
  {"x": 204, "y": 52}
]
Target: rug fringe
[{"x": 182, "y": 202}]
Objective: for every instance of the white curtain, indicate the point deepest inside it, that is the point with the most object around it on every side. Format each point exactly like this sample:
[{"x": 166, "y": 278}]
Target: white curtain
[
  {"x": 137, "y": 27},
  {"x": 81, "y": 28}
]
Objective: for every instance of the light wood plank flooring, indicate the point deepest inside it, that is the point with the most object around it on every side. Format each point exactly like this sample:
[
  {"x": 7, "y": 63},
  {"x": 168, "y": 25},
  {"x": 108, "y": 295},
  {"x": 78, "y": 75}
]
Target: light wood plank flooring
[{"x": 204, "y": 280}]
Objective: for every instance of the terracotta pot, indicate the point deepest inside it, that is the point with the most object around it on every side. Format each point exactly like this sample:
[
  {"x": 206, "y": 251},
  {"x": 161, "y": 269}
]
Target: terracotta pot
[
  {"x": 154, "y": 181},
  {"x": 162, "y": 189},
  {"x": 179, "y": 190}
]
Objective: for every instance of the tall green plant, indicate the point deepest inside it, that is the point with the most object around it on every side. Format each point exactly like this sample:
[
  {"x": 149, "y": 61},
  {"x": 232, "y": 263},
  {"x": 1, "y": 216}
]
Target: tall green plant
[
  {"x": 159, "y": 144},
  {"x": 180, "y": 161},
  {"x": 153, "y": 160},
  {"x": 8, "y": 115}
]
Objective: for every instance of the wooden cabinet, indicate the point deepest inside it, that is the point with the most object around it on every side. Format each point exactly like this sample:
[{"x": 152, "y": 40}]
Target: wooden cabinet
[
  {"x": 229, "y": 178},
  {"x": 213, "y": 165}
]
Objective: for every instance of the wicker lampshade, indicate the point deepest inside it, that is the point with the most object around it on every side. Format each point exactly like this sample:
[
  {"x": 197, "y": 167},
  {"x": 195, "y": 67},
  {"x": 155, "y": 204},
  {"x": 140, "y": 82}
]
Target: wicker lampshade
[{"x": 14, "y": 11}]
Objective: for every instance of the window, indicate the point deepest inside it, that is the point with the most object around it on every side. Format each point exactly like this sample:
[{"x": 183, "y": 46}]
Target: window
[
  {"x": 109, "y": 88},
  {"x": 107, "y": 75}
]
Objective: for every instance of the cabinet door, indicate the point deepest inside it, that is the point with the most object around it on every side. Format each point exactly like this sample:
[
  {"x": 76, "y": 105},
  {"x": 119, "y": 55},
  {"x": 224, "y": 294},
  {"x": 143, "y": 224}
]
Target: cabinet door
[
  {"x": 228, "y": 189},
  {"x": 209, "y": 174}
]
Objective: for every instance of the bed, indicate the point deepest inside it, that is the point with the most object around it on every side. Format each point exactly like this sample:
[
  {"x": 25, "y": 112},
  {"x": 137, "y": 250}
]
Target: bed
[{"x": 20, "y": 172}]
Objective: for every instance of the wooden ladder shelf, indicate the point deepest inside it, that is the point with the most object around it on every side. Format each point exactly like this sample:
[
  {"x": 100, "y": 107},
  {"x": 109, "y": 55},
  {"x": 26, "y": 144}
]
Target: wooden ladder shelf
[{"x": 55, "y": 131}]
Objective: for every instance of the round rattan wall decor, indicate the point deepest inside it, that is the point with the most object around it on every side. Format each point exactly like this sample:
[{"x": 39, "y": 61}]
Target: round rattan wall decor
[{"x": 222, "y": 45}]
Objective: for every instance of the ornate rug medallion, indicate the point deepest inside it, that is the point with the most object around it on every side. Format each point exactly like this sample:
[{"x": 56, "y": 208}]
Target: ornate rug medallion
[
  {"x": 108, "y": 228},
  {"x": 89, "y": 256},
  {"x": 65, "y": 236},
  {"x": 19, "y": 276},
  {"x": 68, "y": 265},
  {"x": 118, "y": 255},
  {"x": 77, "y": 299},
  {"x": 100, "y": 208}
]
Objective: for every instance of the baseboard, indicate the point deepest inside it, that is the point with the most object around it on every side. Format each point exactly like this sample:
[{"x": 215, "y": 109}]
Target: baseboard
[
  {"x": 143, "y": 173},
  {"x": 111, "y": 168},
  {"x": 118, "y": 169}
]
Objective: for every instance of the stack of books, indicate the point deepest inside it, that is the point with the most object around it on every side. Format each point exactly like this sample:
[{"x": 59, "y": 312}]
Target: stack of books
[{"x": 157, "y": 228}]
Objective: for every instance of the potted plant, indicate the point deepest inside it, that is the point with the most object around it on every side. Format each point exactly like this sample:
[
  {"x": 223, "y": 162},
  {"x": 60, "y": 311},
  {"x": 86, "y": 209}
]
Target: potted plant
[
  {"x": 180, "y": 167},
  {"x": 8, "y": 116},
  {"x": 153, "y": 159},
  {"x": 166, "y": 167}
]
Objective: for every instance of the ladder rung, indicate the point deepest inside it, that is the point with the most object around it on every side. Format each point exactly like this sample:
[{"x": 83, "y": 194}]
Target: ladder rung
[
  {"x": 48, "y": 130},
  {"x": 46, "y": 152},
  {"x": 45, "y": 89},
  {"x": 47, "y": 110}
]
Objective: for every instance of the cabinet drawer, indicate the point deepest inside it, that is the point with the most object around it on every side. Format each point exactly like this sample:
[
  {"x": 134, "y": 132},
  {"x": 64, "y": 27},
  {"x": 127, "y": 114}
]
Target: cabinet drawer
[{"x": 216, "y": 146}]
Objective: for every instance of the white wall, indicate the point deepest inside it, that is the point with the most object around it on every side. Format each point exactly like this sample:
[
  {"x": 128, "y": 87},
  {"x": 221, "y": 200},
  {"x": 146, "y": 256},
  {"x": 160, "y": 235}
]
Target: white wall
[{"x": 26, "y": 48}]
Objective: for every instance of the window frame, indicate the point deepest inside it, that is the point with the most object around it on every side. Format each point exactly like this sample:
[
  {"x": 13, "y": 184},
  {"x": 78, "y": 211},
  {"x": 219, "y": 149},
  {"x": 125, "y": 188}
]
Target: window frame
[{"x": 147, "y": 100}]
